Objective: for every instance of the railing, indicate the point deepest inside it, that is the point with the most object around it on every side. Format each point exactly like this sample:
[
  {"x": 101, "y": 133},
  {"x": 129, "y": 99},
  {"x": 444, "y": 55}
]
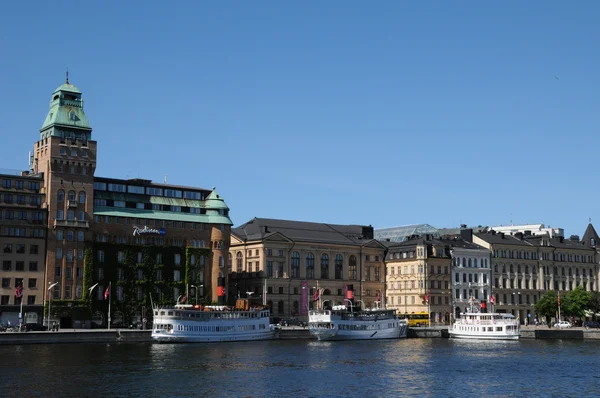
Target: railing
[
  {"x": 72, "y": 203},
  {"x": 78, "y": 104}
]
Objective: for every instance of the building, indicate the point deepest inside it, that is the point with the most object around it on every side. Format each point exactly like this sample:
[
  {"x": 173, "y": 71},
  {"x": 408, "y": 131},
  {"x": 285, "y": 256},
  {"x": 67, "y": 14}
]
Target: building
[
  {"x": 418, "y": 277},
  {"x": 402, "y": 233},
  {"x": 148, "y": 242},
  {"x": 287, "y": 261},
  {"x": 530, "y": 229},
  {"x": 23, "y": 247}
]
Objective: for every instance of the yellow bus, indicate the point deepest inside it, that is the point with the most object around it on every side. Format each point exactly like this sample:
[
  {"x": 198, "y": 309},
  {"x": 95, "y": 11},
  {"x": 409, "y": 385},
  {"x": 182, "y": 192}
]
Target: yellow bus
[{"x": 417, "y": 319}]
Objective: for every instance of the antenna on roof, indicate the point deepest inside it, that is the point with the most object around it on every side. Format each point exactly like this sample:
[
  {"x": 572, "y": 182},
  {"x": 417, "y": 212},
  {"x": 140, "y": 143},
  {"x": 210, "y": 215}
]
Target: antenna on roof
[
  {"x": 67, "y": 76},
  {"x": 165, "y": 178}
]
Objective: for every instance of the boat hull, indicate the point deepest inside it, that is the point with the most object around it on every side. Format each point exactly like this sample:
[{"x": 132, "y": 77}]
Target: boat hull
[
  {"x": 458, "y": 335},
  {"x": 331, "y": 335},
  {"x": 191, "y": 337}
]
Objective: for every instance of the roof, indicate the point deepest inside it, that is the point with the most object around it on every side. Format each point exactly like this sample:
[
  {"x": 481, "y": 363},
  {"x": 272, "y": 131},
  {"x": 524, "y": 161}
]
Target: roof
[
  {"x": 148, "y": 183},
  {"x": 400, "y": 234},
  {"x": 68, "y": 87},
  {"x": 456, "y": 231},
  {"x": 161, "y": 215},
  {"x": 558, "y": 242},
  {"x": 260, "y": 228},
  {"x": 500, "y": 238},
  {"x": 215, "y": 201},
  {"x": 588, "y": 235},
  {"x": 463, "y": 244}
]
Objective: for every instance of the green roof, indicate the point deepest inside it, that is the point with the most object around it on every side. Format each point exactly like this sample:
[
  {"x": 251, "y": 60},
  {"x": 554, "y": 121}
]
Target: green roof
[
  {"x": 161, "y": 215},
  {"x": 214, "y": 201},
  {"x": 68, "y": 87}
]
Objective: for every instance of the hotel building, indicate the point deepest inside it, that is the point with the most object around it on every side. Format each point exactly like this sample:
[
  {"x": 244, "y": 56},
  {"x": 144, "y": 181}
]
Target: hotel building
[{"x": 149, "y": 242}]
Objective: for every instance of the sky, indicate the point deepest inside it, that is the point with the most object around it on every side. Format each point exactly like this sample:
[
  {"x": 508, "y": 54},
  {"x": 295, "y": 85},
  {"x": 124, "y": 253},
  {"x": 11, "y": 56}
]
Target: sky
[{"x": 380, "y": 113}]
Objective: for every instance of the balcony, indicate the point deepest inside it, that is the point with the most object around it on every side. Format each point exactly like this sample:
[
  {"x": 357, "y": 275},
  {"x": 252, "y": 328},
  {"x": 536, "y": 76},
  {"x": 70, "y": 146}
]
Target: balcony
[
  {"x": 72, "y": 204},
  {"x": 71, "y": 223}
]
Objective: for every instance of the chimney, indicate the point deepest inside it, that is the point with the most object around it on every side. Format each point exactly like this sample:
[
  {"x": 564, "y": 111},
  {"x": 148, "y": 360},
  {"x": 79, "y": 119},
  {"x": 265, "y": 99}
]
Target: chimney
[
  {"x": 466, "y": 235},
  {"x": 501, "y": 235},
  {"x": 493, "y": 232},
  {"x": 561, "y": 239},
  {"x": 519, "y": 235},
  {"x": 368, "y": 232},
  {"x": 266, "y": 229},
  {"x": 463, "y": 226},
  {"x": 528, "y": 233},
  {"x": 574, "y": 238}
]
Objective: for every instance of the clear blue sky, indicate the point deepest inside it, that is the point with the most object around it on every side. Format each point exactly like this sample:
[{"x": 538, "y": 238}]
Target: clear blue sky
[{"x": 382, "y": 113}]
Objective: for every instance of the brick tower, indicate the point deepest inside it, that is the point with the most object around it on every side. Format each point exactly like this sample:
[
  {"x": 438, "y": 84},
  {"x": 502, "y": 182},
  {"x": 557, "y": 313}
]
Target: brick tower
[{"x": 66, "y": 155}]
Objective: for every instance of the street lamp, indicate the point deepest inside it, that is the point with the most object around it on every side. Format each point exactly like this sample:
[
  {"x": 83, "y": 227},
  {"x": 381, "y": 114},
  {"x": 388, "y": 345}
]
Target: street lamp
[
  {"x": 196, "y": 289},
  {"x": 50, "y": 301}
]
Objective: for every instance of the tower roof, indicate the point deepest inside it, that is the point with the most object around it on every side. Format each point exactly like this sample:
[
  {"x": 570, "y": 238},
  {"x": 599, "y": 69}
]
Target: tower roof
[
  {"x": 66, "y": 109},
  {"x": 67, "y": 87},
  {"x": 590, "y": 237},
  {"x": 215, "y": 201}
]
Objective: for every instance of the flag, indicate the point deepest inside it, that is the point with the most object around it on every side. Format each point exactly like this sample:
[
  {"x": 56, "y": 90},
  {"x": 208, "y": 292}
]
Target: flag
[
  {"x": 316, "y": 295},
  {"x": 492, "y": 299},
  {"x": 19, "y": 291},
  {"x": 559, "y": 300},
  {"x": 378, "y": 296},
  {"x": 107, "y": 293},
  {"x": 183, "y": 298},
  {"x": 427, "y": 297}
]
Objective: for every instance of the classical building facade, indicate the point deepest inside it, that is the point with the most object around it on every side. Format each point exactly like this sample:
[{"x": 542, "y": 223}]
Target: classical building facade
[
  {"x": 22, "y": 247},
  {"x": 287, "y": 261},
  {"x": 418, "y": 277},
  {"x": 151, "y": 243}
]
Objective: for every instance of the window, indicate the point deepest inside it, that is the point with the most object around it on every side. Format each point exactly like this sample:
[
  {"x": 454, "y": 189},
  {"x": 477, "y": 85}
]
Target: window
[
  {"x": 177, "y": 259},
  {"x": 295, "y": 263},
  {"x": 121, "y": 257},
  {"x": 222, "y": 263},
  {"x": 60, "y": 196},
  {"x": 33, "y": 266},
  {"x": 100, "y": 256},
  {"x": 59, "y": 254},
  {"x": 117, "y": 188},
  {"x": 135, "y": 189},
  {"x": 339, "y": 266},
  {"x": 176, "y": 275},
  {"x": 310, "y": 266},
  {"x": 6, "y": 282},
  {"x": 324, "y": 266},
  {"x": 71, "y": 195},
  {"x": 20, "y": 249},
  {"x": 7, "y": 248},
  {"x": 20, "y": 266},
  {"x": 270, "y": 268},
  {"x": 352, "y": 268},
  {"x": 70, "y": 236},
  {"x": 238, "y": 262}
]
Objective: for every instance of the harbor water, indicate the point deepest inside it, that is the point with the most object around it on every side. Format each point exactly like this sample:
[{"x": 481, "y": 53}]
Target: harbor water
[{"x": 305, "y": 368}]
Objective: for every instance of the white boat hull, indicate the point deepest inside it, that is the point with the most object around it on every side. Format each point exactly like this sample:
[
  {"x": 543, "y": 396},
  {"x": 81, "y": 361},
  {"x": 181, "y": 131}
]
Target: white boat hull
[
  {"x": 330, "y": 334},
  {"x": 192, "y": 337},
  {"x": 488, "y": 336}
]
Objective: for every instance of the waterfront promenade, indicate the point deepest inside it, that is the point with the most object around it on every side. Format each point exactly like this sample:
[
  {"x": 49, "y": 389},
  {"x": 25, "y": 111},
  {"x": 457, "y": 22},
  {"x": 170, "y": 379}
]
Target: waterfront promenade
[{"x": 65, "y": 336}]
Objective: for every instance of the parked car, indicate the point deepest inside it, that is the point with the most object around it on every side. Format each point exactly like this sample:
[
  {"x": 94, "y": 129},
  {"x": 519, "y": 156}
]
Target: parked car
[
  {"x": 591, "y": 325},
  {"x": 562, "y": 324},
  {"x": 34, "y": 327}
]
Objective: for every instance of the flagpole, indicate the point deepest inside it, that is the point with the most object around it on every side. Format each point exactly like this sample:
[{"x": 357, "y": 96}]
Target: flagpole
[
  {"x": 21, "y": 313},
  {"x": 109, "y": 300}
]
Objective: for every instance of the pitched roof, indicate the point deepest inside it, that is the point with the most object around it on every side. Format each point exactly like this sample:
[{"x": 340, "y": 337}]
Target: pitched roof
[
  {"x": 260, "y": 228},
  {"x": 500, "y": 238},
  {"x": 590, "y": 233}
]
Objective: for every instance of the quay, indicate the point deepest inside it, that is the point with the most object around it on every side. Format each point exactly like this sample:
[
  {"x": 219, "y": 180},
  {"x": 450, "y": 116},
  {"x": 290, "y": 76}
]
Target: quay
[{"x": 68, "y": 336}]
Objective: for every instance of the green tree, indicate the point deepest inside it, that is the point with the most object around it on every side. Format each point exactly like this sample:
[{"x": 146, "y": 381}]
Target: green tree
[
  {"x": 547, "y": 305},
  {"x": 577, "y": 301},
  {"x": 594, "y": 303}
]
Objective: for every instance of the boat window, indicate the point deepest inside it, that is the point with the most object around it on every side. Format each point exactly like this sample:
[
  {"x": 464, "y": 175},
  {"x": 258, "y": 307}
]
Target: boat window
[{"x": 170, "y": 313}]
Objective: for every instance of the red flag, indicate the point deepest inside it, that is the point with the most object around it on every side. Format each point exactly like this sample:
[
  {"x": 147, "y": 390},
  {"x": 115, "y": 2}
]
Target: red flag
[
  {"x": 559, "y": 300},
  {"x": 378, "y": 296},
  {"x": 316, "y": 295},
  {"x": 183, "y": 298},
  {"x": 427, "y": 297},
  {"x": 19, "y": 291},
  {"x": 493, "y": 299},
  {"x": 107, "y": 293}
]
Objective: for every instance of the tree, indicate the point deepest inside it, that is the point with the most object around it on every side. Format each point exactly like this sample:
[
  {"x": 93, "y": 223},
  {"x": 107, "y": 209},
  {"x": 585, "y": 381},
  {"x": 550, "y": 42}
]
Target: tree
[
  {"x": 547, "y": 305},
  {"x": 577, "y": 301},
  {"x": 594, "y": 303}
]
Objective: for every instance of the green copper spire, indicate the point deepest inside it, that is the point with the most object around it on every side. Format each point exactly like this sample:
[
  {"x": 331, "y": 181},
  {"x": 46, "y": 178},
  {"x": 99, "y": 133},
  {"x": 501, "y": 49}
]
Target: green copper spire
[{"x": 66, "y": 116}]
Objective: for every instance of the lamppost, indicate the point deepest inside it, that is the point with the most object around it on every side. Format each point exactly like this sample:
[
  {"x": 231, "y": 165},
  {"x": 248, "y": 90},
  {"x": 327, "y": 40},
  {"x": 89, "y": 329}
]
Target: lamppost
[
  {"x": 196, "y": 289},
  {"x": 50, "y": 301}
]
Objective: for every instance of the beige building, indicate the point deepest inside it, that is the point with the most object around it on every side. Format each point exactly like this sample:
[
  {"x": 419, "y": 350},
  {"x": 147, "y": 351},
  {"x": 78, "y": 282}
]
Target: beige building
[
  {"x": 418, "y": 277},
  {"x": 23, "y": 247},
  {"x": 285, "y": 262}
]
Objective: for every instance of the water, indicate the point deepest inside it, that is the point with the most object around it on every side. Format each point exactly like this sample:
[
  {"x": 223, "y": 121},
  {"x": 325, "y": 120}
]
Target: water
[{"x": 305, "y": 368}]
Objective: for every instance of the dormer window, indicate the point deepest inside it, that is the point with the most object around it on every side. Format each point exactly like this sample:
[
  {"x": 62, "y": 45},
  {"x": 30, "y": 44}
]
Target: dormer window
[{"x": 592, "y": 242}]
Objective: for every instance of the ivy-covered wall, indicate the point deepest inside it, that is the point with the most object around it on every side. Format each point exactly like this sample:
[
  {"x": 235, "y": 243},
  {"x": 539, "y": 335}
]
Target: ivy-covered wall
[{"x": 130, "y": 305}]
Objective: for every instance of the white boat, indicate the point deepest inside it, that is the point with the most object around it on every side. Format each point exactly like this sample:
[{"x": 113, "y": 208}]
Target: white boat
[
  {"x": 485, "y": 326},
  {"x": 197, "y": 324},
  {"x": 339, "y": 323}
]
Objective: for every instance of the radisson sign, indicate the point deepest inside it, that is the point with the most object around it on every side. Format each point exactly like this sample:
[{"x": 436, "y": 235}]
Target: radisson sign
[{"x": 137, "y": 230}]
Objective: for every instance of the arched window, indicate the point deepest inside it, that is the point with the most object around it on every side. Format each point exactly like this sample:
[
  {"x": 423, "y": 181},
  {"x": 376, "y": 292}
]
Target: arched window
[
  {"x": 470, "y": 263},
  {"x": 72, "y": 195},
  {"x": 339, "y": 266},
  {"x": 201, "y": 243},
  {"x": 201, "y": 261},
  {"x": 475, "y": 262},
  {"x": 352, "y": 268},
  {"x": 60, "y": 196},
  {"x": 324, "y": 266},
  {"x": 295, "y": 264},
  {"x": 81, "y": 197},
  {"x": 464, "y": 262},
  {"x": 80, "y": 236},
  {"x": 526, "y": 269},
  {"x": 270, "y": 305},
  {"x": 295, "y": 308},
  {"x": 280, "y": 307},
  {"x": 511, "y": 268},
  {"x": 238, "y": 262},
  {"x": 221, "y": 262},
  {"x": 519, "y": 268},
  {"x": 310, "y": 266}
]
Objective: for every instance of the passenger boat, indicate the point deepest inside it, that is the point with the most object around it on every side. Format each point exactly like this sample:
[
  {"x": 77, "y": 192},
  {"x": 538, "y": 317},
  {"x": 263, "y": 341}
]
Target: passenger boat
[
  {"x": 341, "y": 323},
  {"x": 213, "y": 323},
  {"x": 485, "y": 326}
]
